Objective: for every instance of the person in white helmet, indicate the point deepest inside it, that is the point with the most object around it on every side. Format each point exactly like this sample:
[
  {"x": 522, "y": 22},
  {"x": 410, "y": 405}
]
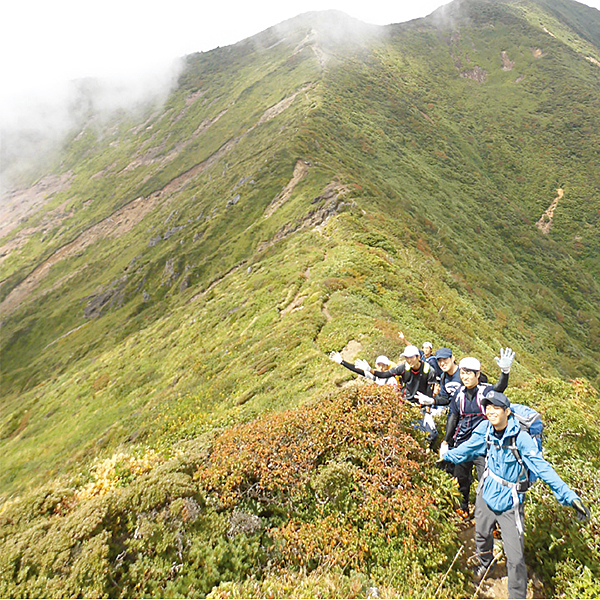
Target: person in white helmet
[
  {"x": 426, "y": 354},
  {"x": 417, "y": 378},
  {"x": 431, "y": 358},
  {"x": 465, "y": 414},
  {"x": 382, "y": 362}
]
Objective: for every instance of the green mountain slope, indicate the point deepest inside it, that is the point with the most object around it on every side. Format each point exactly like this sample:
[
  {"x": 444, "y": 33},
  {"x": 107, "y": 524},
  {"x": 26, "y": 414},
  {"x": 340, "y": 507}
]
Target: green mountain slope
[
  {"x": 319, "y": 186},
  {"x": 298, "y": 191}
]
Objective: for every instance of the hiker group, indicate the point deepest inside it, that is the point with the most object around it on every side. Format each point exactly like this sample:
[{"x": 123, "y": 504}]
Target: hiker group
[{"x": 483, "y": 429}]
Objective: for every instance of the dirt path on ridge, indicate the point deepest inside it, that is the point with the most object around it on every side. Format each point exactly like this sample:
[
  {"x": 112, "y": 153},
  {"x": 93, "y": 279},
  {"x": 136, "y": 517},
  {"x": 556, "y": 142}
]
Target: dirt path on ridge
[{"x": 495, "y": 585}]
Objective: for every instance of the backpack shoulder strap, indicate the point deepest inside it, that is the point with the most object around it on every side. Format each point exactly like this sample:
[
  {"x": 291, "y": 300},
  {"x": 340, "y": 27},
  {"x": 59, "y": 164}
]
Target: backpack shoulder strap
[
  {"x": 512, "y": 446},
  {"x": 479, "y": 396}
]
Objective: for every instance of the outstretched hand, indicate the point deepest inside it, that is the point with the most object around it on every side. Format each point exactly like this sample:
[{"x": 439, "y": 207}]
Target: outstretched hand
[
  {"x": 336, "y": 357},
  {"x": 363, "y": 365},
  {"x": 506, "y": 359},
  {"x": 582, "y": 512}
]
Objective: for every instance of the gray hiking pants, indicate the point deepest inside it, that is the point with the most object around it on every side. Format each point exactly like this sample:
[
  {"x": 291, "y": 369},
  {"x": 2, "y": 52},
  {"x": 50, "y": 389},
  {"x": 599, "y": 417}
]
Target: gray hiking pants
[{"x": 512, "y": 541}]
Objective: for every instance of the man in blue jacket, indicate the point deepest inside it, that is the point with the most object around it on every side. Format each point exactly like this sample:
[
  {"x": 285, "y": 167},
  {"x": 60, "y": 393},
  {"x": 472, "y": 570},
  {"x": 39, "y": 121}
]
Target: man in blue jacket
[
  {"x": 501, "y": 490},
  {"x": 466, "y": 413}
]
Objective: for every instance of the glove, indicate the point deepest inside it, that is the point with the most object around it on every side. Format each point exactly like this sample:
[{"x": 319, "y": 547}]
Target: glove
[
  {"x": 401, "y": 336},
  {"x": 363, "y": 365},
  {"x": 582, "y": 512},
  {"x": 443, "y": 449},
  {"x": 423, "y": 399},
  {"x": 506, "y": 359},
  {"x": 429, "y": 423},
  {"x": 336, "y": 357}
]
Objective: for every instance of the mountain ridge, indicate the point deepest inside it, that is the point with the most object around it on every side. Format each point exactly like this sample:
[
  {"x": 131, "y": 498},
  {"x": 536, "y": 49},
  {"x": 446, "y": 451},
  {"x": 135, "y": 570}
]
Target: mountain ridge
[
  {"x": 298, "y": 194},
  {"x": 179, "y": 164}
]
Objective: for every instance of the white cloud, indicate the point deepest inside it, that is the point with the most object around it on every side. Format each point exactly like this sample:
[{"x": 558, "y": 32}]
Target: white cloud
[
  {"x": 48, "y": 41},
  {"x": 44, "y": 42}
]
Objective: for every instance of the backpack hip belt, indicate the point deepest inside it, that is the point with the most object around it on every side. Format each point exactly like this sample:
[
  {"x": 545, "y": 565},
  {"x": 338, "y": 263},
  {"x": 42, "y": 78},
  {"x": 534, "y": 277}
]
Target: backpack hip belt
[{"x": 515, "y": 495}]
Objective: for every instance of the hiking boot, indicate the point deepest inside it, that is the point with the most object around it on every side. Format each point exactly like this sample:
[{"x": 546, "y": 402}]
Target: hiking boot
[
  {"x": 479, "y": 572},
  {"x": 497, "y": 533}
]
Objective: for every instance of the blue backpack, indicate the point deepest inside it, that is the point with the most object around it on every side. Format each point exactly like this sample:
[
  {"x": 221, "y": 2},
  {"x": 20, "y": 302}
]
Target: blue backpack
[{"x": 530, "y": 421}]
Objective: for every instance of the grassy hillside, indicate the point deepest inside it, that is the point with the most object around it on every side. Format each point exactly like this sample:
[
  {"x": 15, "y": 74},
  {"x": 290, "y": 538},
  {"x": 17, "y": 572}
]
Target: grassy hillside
[{"x": 186, "y": 269}]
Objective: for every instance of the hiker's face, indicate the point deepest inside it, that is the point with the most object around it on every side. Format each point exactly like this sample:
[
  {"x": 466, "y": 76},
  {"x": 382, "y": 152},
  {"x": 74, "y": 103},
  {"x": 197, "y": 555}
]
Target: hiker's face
[
  {"x": 446, "y": 363},
  {"x": 427, "y": 351},
  {"x": 382, "y": 367},
  {"x": 497, "y": 416},
  {"x": 413, "y": 361},
  {"x": 469, "y": 378}
]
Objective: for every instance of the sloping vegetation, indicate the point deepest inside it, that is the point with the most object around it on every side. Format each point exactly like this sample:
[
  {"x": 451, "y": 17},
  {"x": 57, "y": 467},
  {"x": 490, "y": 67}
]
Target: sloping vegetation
[
  {"x": 340, "y": 486},
  {"x": 330, "y": 499},
  {"x": 170, "y": 424}
]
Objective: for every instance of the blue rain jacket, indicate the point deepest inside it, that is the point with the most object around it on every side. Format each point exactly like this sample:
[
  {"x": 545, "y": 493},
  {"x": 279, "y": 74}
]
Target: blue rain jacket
[{"x": 504, "y": 464}]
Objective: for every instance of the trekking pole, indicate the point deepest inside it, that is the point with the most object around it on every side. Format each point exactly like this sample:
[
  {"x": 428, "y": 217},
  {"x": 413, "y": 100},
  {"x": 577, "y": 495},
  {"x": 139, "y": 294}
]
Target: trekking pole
[
  {"x": 447, "y": 572},
  {"x": 484, "y": 576}
]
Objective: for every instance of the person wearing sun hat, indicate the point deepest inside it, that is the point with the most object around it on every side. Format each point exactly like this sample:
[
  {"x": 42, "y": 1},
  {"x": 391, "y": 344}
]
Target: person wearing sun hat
[
  {"x": 417, "y": 378},
  {"x": 382, "y": 362},
  {"x": 465, "y": 413},
  {"x": 509, "y": 454},
  {"x": 416, "y": 375}
]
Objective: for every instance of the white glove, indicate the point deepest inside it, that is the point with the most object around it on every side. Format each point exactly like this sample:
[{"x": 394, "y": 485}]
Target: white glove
[
  {"x": 423, "y": 399},
  {"x": 506, "y": 359},
  {"x": 336, "y": 357},
  {"x": 363, "y": 365},
  {"x": 443, "y": 449},
  {"x": 429, "y": 422}
]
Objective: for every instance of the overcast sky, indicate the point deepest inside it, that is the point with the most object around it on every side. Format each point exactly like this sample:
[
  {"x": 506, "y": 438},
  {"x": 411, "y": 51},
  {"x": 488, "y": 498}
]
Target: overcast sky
[{"x": 43, "y": 42}]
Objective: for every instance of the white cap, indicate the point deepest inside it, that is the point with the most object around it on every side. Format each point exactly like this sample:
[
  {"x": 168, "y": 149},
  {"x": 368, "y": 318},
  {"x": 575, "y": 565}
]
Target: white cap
[
  {"x": 382, "y": 360},
  {"x": 427, "y": 344},
  {"x": 470, "y": 363},
  {"x": 411, "y": 351}
]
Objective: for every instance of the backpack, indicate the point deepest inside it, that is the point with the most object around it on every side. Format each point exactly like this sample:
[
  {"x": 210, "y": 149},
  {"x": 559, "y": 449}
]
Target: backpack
[{"x": 530, "y": 421}]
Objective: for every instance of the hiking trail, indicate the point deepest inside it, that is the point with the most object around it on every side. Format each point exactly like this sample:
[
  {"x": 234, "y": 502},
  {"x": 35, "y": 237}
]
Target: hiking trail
[{"x": 495, "y": 584}]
